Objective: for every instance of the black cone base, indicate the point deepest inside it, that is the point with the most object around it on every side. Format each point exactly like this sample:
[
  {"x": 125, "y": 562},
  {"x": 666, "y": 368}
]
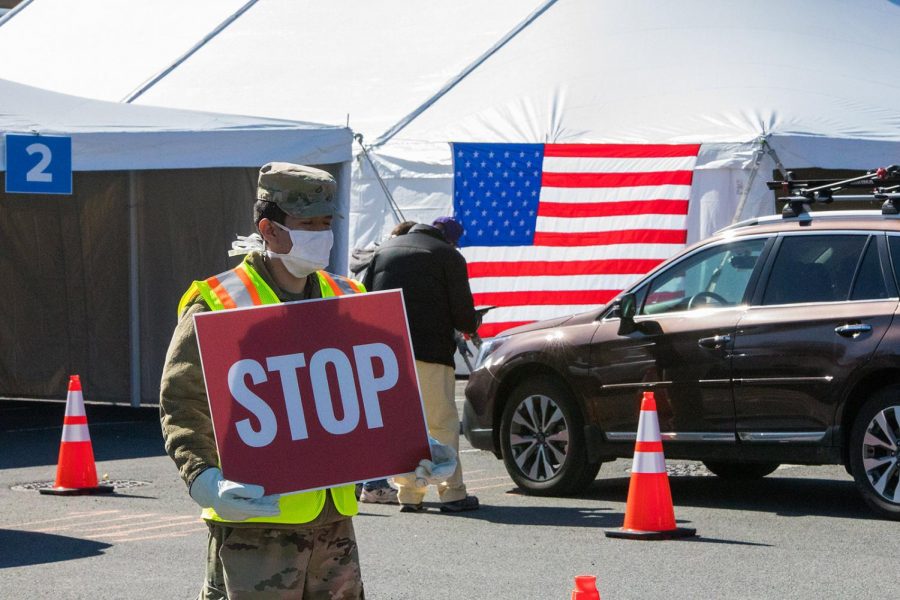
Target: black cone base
[
  {"x": 61, "y": 491},
  {"x": 633, "y": 534}
]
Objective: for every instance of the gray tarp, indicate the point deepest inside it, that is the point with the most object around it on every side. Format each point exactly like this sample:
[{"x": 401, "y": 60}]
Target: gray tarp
[{"x": 64, "y": 263}]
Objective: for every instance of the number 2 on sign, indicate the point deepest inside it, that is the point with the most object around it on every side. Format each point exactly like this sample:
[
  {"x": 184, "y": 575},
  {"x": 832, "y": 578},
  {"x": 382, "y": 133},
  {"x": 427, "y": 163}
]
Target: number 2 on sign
[{"x": 37, "y": 173}]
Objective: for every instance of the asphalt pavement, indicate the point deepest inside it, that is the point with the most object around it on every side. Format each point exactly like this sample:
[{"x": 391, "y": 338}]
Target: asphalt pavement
[{"x": 802, "y": 532}]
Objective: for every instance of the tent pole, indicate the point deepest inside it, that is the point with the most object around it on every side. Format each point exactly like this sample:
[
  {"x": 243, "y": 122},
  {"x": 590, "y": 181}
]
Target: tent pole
[
  {"x": 757, "y": 159},
  {"x": 398, "y": 214},
  {"x": 764, "y": 148},
  {"x": 134, "y": 315}
]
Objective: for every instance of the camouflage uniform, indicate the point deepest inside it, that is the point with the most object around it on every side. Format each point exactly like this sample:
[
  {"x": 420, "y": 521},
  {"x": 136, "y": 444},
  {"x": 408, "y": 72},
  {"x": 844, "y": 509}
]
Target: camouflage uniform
[
  {"x": 250, "y": 560},
  {"x": 315, "y": 564}
]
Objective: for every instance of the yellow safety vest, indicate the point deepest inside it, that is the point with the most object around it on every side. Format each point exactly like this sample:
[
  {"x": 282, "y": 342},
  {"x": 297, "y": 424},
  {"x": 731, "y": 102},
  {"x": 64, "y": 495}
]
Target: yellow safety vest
[{"x": 243, "y": 287}]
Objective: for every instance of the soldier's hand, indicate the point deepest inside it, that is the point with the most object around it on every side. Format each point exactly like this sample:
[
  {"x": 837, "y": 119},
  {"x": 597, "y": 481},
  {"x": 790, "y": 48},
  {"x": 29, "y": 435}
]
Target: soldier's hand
[{"x": 232, "y": 500}]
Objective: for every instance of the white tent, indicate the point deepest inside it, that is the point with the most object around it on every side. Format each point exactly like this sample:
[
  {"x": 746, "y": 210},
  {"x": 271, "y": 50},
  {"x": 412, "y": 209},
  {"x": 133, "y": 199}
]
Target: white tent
[
  {"x": 799, "y": 84},
  {"x": 366, "y": 64},
  {"x": 801, "y": 76},
  {"x": 158, "y": 196}
]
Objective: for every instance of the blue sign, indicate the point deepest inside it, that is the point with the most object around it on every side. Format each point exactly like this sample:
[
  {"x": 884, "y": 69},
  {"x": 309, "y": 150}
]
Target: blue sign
[{"x": 38, "y": 164}]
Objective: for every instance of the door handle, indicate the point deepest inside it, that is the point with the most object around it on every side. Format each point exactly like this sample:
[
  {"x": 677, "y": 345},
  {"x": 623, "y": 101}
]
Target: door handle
[
  {"x": 715, "y": 342},
  {"x": 851, "y": 331}
]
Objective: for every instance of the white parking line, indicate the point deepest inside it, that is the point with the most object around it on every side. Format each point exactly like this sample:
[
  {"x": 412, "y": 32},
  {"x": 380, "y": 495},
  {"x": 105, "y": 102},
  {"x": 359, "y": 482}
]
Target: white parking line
[
  {"x": 488, "y": 487},
  {"x": 66, "y": 518}
]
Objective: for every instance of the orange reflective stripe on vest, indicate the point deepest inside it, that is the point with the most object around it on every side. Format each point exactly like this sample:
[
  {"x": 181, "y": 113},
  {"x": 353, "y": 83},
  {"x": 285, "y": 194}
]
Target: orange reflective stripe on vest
[
  {"x": 339, "y": 285},
  {"x": 233, "y": 288}
]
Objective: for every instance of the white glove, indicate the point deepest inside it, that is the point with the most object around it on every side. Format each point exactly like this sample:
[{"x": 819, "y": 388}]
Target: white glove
[
  {"x": 441, "y": 466},
  {"x": 231, "y": 500}
]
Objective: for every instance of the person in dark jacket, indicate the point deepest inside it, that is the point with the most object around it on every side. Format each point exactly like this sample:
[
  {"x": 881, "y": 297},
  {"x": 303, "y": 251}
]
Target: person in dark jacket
[
  {"x": 361, "y": 257},
  {"x": 432, "y": 273}
]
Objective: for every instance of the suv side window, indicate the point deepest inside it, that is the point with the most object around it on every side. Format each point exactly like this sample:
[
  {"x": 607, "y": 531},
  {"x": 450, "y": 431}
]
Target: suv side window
[
  {"x": 869, "y": 281},
  {"x": 716, "y": 276},
  {"x": 814, "y": 268},
  {"x": 894, "y": 245}
]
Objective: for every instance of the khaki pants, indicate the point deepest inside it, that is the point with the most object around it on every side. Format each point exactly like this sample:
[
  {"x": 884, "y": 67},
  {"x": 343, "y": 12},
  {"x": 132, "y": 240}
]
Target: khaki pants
[
  {"x": 319, "y": 563},
  {"x": 437, "y": 383}
]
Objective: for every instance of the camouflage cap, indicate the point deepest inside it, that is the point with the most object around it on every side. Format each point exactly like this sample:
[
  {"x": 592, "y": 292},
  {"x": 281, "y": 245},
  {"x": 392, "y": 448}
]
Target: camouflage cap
[{"x": 298, "y": 190}]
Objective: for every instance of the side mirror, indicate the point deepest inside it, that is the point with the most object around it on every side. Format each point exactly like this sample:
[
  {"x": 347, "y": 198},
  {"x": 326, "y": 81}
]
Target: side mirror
[{"x": 627, "y": 310}]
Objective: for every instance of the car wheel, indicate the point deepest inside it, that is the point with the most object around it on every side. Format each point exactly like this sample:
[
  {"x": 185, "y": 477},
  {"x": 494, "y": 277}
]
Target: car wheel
[
  {"x": 542, "y": 440},
  {"x": 874, "y": 453},
  {"x": 732, "y": 470}
]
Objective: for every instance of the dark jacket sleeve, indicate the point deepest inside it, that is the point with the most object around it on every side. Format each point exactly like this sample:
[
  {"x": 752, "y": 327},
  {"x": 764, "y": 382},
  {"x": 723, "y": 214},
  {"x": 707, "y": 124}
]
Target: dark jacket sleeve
[
  {"x": 462, "y": 306},
  {"x": 183, "y": 407},
  {"x": 368, "y": 279}
]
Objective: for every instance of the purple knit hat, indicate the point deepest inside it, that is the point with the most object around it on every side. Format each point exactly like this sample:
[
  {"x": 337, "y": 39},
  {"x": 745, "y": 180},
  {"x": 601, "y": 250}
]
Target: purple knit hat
[{"x": 451, "y": 228}]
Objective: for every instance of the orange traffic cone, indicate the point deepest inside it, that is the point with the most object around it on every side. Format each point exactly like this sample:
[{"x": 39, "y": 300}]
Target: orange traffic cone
[
  {"x": 75, "y": 471},
  {"x": 585, "y": 588},
  {"x": 649, "y": 514}
]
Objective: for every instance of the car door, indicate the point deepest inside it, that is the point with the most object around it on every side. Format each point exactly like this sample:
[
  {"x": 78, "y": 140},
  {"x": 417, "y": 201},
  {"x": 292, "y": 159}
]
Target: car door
[
  {"x": 682, "y": 347},
  {"x": 826, "y": 303}
]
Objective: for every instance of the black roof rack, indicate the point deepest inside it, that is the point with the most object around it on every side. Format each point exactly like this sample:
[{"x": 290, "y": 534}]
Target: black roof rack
[{"x": 884, "y": 181}]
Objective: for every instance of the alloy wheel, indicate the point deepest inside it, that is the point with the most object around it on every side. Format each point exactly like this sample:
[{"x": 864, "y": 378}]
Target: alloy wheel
[
  {"x": 539, "y": 437},
  {"x": 880, "y": 453}
]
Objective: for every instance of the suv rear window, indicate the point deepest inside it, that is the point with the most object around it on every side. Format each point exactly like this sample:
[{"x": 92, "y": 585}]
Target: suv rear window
[
  {"x": 894, "y": 245},
  {"x": 821, "y": 268}
]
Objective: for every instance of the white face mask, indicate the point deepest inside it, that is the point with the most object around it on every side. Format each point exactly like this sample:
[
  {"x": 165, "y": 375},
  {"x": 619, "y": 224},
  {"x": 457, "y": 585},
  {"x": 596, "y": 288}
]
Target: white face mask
[{"x": 309, "y": 253}]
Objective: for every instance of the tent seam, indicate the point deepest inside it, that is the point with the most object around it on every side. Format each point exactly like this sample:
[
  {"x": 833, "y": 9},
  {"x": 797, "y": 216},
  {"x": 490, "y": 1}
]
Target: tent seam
[
  {"x": 402, "y": 123},
  {"x": 139, "y": 91},
  {"x": 16, "y": 10}
]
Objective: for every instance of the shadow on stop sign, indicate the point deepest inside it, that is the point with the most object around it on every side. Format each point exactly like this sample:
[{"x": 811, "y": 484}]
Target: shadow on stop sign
[{"x": 313, "y": 394}]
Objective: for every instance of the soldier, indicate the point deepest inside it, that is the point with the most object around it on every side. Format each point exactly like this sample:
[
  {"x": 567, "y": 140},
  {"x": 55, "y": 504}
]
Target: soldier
[{"x": 279, "y": 546}]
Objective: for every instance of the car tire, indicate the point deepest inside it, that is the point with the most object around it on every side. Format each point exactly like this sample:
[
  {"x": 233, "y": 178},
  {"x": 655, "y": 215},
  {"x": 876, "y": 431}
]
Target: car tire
[
  {"x": 873, "y": 452},
  {"x": 737, "y": 471},
  {"x": 542, "y": 439}
]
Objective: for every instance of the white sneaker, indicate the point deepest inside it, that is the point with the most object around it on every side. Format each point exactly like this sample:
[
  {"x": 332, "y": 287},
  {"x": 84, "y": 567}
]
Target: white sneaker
[{"x": 382, "y": 495}]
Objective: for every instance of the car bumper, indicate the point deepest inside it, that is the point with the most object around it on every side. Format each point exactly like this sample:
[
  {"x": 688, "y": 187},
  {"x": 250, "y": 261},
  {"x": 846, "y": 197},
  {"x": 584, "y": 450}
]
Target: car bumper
[{"x": 478, "y": 411}]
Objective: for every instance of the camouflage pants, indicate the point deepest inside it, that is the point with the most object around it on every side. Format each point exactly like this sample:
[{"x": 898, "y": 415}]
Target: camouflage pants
[{"x": 313, "y": 564}]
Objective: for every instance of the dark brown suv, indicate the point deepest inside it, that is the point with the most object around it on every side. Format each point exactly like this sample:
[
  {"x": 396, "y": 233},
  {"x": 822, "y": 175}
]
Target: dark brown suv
[{"x": 773, "y": 341}]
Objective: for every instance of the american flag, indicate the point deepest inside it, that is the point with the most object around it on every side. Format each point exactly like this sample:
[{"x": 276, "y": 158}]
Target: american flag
[{"x": 557, "y": 229}]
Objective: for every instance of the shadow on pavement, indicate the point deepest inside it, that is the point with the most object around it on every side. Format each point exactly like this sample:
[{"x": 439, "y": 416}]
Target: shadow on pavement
[
  {"x": 549, "y": 516},
  {"x": 30, "y": 432},
  {"x": 783, "y": 496},
  {"x": 22, "y": 548}
]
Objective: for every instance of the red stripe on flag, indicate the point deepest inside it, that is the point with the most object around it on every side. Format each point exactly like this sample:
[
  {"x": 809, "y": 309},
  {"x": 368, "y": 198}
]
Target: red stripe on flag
[
  {"x": 636, "y": 266},
  {"x": 602, "y": 238},
  {"x": 621, "y": 150},
  {"x": 586, "y": 297},
  {"x": 613, "y": 209},
  {"x": 600, "y": 180}
]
